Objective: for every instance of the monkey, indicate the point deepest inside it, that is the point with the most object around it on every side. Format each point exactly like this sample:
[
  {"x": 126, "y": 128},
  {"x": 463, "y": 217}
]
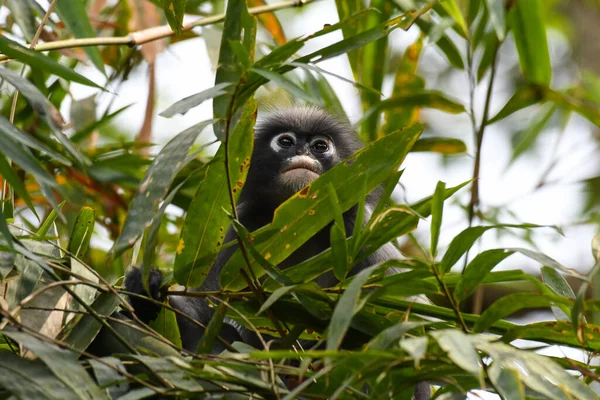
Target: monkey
[{"x": 292, "y": 148}]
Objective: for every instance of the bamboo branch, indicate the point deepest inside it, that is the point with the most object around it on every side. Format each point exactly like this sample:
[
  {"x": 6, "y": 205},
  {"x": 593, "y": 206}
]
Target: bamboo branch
[{"x": 157, "y": 32}]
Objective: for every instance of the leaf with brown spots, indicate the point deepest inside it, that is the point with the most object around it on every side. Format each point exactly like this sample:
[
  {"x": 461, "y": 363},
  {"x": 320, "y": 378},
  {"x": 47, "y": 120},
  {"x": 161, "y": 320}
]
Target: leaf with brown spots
[
  {"x": 298, "y": 219},
  {"x": 203, "y": 231}
]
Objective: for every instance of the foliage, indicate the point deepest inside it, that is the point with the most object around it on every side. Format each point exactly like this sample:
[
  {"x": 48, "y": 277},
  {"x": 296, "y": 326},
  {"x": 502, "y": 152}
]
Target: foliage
[{"x": 71, "y": 188}]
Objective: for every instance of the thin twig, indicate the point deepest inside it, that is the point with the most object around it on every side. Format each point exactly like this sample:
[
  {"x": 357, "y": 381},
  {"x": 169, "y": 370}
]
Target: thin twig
[{"x": 474, "y": 203}]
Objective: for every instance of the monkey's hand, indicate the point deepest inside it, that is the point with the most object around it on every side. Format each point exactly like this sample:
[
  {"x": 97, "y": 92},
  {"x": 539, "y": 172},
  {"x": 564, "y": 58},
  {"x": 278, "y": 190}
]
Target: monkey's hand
[{"x": 145, "y": 310}]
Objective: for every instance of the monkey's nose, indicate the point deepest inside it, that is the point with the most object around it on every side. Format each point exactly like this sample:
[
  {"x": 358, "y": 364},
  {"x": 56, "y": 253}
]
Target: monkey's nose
[{"x": 302, "y": 150}]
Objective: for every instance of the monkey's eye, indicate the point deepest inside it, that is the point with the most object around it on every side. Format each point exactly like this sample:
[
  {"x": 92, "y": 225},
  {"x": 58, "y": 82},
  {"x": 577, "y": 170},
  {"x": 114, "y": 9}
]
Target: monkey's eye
[
  {"x": 285, "y": 141},
  {"x": 320, "y": 146}
]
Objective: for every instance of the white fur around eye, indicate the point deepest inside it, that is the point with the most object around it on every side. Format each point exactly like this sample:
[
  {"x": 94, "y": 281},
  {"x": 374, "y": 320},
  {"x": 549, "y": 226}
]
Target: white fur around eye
[
  {"x": 275, "y": 146},
  {"x": 330, "y": 144}
]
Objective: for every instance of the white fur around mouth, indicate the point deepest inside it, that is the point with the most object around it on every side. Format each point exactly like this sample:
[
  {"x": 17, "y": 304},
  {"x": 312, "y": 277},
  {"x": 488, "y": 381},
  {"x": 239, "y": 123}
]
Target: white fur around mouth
[{"x": 301, "y": 163}]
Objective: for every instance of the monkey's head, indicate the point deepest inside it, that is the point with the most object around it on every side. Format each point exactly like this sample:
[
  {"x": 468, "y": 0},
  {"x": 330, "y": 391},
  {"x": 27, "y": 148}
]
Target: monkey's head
[{"x": 293, "y": 147}]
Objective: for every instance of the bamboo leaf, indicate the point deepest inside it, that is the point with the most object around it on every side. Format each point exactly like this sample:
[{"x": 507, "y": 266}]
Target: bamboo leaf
[
  {"x": 529, "y": 31},
  {"x": 476, "y": 271},
  {"x": 174, "y": 11},
  {"x": 206, "y": 223},
  {"x": 41, "y": 62},
  {"x": 239, "y": 26},
  {"x": 82, "y": 232},
  {"x": 184, "y": 105},
  {"x": 155, "y": 186},
  {"x": 74, "y": 15},
  {"x": 511, "y": 303},
  {"x": 442, "y": 145},
  {"x": 437, "y": 209},
  {"x": 62, "y": 364}
]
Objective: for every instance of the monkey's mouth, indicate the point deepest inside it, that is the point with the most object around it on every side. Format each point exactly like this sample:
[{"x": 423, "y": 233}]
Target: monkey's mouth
[
  {"x": 301, "y": 166},
  {"x": 298, "y": 174}
]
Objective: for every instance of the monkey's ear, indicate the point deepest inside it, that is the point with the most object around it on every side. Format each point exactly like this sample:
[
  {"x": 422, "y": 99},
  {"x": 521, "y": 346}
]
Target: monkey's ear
[{"x": 145, "y": 310}]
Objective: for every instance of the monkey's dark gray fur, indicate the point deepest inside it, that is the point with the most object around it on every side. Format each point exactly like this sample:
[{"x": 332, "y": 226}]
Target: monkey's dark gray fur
[{"x": 292, "y": 147}]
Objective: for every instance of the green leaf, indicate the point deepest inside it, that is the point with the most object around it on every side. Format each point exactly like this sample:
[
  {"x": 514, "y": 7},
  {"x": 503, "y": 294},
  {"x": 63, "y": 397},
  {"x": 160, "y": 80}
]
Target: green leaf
[
  {"x": 152, "y": 237},
  {"x": 276, "y": 295},
  {"x": 445, "y": 44},
  {"x": 453, "y": 10},
  {"x": 345, "y": 9},
  {"x": 465, "y": 240},
  {"x": 174, "y": 11},
  {"x": 459, "y": 349},
  {"x": 6, "y": 232},
  {"x": 526, "y": 138},
  {"x": 242, "y": 54},
  {"x": 110, "y": 378},
  {"x": 175, "y": 373},
  {"x": 86, "y": 329},
  {"x": 74, "y": 15},
  {"x": 21, "y": 156},
  {"x": 437, "y": 209},
  {"x": 39, "y": 61},
  {"x": 184, "y": 105},
  {"x": 416, "y": 347},
  {"x": 337, "y": 237},
  {"x": 393, "y": 335},
  {"x": 529, "y": 31},
  {"x": 406, "y": 81},
  {"x": 166, "y": 325},
  {"x": 548, "y": 261},
  {"x": 559, "y": 285},
  {"x": 206, "y": 223},
  {"x": 507, "y": 381},
  {"x": 490, "y": 51},
  {"x": 8, "y": 173},
  {"x": 339, "y": 252},
  {"x": 82, "y": 232},
  {"x": 239, "y": 26},
  {"x": 21, "y": 12},
  {"x": 49, "y": 221},
  {"x": 555, "y": 332},
  {"x": 307, "y": 212},
  {"x": 254, "y": 81},
  {"x": 538, "y": 372},
  {"x": 578, "y": 310},
  {"x": 43, "y": 107},
  {"x": 524, "y": 97},
  {"x": 212, "y": 330},
  {"x": 477, "y": 270},
  {"x": 295, "y": 90},
  {"x": 371, "y": 69},
  {"x": 155, "y": 185},
  {"x": 396, "y": 221},
  {"x": 62, "y": 364},
  {"x": 320, "y": 87},
  {"x": 136, "y": 336},
  {"x": 596, "y": 247},
  {"x": 511, "y": 303},
  {"x": 419, "y": 98},
  {"x": 28, "y": 379},
  {"x": 346, "y": 307},
  {"x": 497, "y": 17},
  {"x": 442, "y": 145}
]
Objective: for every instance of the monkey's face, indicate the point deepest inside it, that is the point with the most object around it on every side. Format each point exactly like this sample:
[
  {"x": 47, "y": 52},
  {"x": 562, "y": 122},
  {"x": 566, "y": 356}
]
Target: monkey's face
[
  {"x": 302, "y": 158},
  {"x": 284, "y": 163}
]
